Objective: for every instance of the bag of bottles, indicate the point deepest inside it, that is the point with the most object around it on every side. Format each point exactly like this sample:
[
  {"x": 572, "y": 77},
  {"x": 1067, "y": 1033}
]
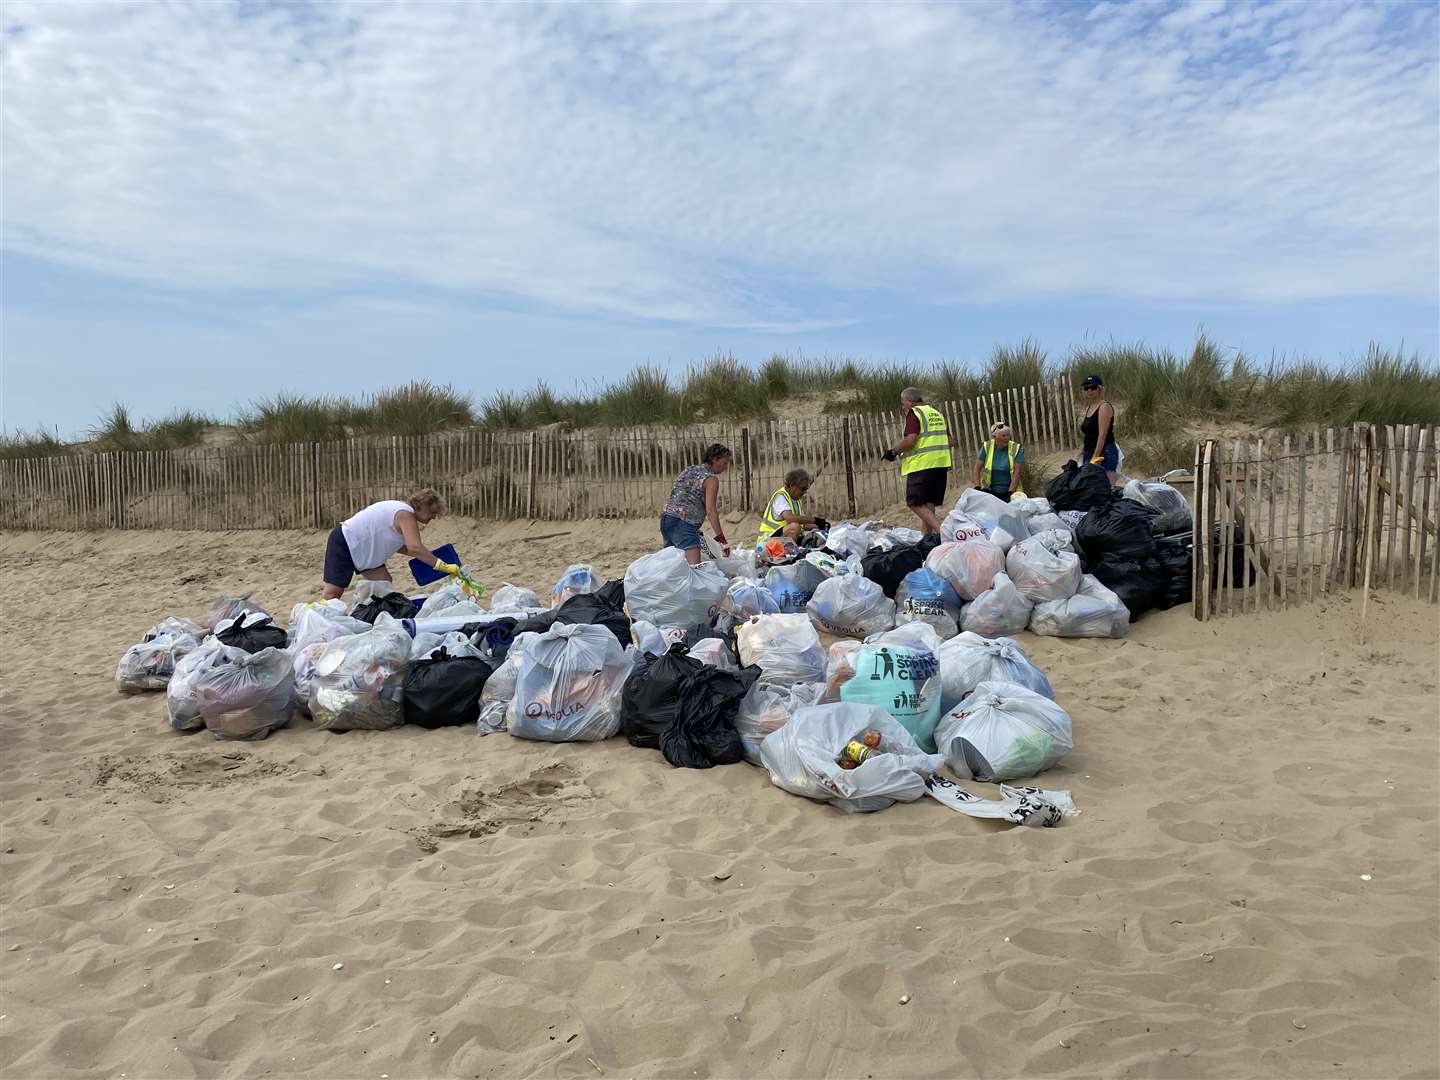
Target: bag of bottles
[
  {"x": 1094, "y": 611},
  {"x": 851, "y": 606},
  {"x": 784, "y": 647},
  {"x": 802, "y": 757},
  {"x": 1172, "y": 510},
  {"x": 663, "y": 588},
  {"x": 925, "y": 597},
  {"x": 968, "y": 567},
  {"x": 579, "y": 579},
  {"x": 903, "y": 680},
  {"x": 998, "y": 612},
  {"x": 968, "y": 660},
  {"x": 768, "y": 707},
  {"x": 1040, "y": 573},
  {"x": 358, "y": 681},
  {"x": 1003, "y": 731},
  {"x": 745, "y": 598},
  {"x": 569, "y": 685},
  {"x": 149, "y": 664}
]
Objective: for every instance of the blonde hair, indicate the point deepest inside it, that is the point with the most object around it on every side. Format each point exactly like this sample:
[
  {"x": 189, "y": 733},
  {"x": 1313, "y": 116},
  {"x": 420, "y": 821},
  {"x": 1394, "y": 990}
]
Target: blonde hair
[
  {"x": 427, "y": 497},
  {"x": 1000, "y": 428}
]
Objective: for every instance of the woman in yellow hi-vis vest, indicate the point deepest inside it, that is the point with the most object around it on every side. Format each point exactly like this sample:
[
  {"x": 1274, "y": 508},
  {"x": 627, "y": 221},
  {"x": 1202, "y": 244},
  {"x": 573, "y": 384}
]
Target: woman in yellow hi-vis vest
[
  {"x": 785, "y": 512},
  {"x": 997, "y": 467},
  {"x": 924, "y": 454}
]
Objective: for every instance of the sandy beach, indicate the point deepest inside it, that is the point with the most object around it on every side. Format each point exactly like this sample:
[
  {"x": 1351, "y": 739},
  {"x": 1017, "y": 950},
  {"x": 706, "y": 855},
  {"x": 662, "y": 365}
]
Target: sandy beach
[{"x": 1252, "y": 888}]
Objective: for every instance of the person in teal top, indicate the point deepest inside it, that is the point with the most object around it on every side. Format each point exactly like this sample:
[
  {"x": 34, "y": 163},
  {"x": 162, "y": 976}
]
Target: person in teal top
[{"x": 997, "y": 465}]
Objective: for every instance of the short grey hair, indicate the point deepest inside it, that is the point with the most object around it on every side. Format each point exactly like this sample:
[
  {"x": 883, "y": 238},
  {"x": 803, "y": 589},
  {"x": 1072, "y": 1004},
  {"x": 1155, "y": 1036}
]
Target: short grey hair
[
  {"x": 913, "y": 395},
  {"x": 796, "y": 477}
]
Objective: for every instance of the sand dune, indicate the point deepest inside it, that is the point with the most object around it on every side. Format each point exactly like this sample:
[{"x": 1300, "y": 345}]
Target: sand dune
[{"x": 175, "y": 906}]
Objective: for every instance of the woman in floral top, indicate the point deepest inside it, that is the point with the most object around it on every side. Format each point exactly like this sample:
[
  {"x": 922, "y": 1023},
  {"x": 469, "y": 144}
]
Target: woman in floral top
[{"x": 693, "y": 501}]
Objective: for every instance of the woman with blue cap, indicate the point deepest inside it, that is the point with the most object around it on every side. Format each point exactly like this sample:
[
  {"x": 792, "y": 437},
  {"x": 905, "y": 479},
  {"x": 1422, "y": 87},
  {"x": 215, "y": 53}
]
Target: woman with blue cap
[{"x": 1098, "y": 428}]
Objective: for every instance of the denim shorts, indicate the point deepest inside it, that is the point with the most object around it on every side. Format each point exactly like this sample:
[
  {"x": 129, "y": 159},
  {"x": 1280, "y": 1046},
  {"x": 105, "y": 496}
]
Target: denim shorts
[
  {"x": 1111, "y": 456},
  {"x": 679, "y": 533}
]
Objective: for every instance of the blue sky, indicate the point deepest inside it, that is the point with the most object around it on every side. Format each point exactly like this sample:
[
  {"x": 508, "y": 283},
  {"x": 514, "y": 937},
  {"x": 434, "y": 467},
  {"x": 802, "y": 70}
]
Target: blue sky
[{"x": 206, "y": 204}]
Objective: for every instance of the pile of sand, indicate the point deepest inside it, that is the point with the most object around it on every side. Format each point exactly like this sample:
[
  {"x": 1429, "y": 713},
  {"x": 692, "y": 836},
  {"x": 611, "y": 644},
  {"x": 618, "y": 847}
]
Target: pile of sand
[{"x": 177, "y": 906}]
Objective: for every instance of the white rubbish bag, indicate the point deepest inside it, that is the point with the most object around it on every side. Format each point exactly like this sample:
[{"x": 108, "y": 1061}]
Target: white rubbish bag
[
  {"x": 784, "y": 647},
  {"x": 568, "y": 686},
  {"x": 647, "y": 638},
  {"x": 969, "y": 566},
  {"x": 1029, "y": 509},
  {"x": 925, "y": 597},
  {"x": 149, "y": 664},
  {"x": 513, "y": 599},
  {"x": 801, "y": 757},
  {"x": 715, "y": 653},
  {"x": 498, "y": 693},
  {"x": 768, "y": 707},
  {"x": 1172, "y": 510},
  {"x": 1094, "y": 611},
  {"x": 666, "y": 590},
  {"x": 745, "y": 598},
  {"x": 231, "y": 693},
  {"x": 1056, "y": 540},
  {"x": 851, "y": 606},
  {"x": 1041, "y": 573},
  {"x": 1043, "y": 522},
  {"x": 1003, "y": 731},
  {"x": 182, "y": 694},
  {"x": 321, "y": 621},
  {"x": 1003, "y": 524},
  {"x": 578, "y": 580},
  {"x": 357, "y": 683},
  {"x": 999, "y": 611},
  {"x": 958, "y": 526},
  {"x": 847, "y": 539},
  {"x": 969, "y": 659}
]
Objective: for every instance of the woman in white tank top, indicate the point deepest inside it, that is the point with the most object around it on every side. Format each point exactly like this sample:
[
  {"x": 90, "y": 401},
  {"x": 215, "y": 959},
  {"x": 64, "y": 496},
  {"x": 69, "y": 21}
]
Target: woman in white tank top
[{"x": 362, "y": 543}]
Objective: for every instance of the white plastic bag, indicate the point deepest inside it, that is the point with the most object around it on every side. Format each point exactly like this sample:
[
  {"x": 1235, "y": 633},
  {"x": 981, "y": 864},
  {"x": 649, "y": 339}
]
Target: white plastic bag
[
  {"x": 1172, "y": 510},
  {"x": 647, "y": 638},
  {"x": 445, "y": 597},
  {"x": 321, "y": 621},
  {"x": 851, "y": 606},
  {"x": 768, "y": 707},
  {"x": 1003, "y": 731},
  {"x": 357, "y": 681},
  {"x": 715, "y": 653},
  {"x": 568, "y": 686},
  {"x": 512, "y": 598},
  {"x": 969, "y": 566},
  {"x": 578, "y": 580},
  {"x": 925, "y": 597},
  {"x": 1071, "y": 519},
  {"x": 1056, "y": 540},
  {"x": 1028, "y": 508},
  {"x": 666, "y": 590},
  {"x": 455, "y": 645},
  {"x": 182, "y": 695},
  {"x": 958, "y": 526},
  {"x": 999, "y": 611},
  {"x": 149, "y": 664},
  {"x": 227, "y": 607},
  {"x": 234, "y": 694},
  {"x": 1042, "y": 574},
  {"x": 968, "y": 660},
  {"x": 498, "y": 694},
  {"x": 745, "y": 598},
  {"x": 785, "y": 647},
  {"x": 847, "y": 539},
  {"x": 801, "y": 758},
  {"x": 1094, "y": 611},
  {"x": 1043, "y": 522}
]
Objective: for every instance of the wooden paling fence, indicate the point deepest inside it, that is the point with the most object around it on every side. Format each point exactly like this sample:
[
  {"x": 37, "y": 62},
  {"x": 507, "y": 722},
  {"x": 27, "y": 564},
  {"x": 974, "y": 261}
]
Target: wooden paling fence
[
  {"x": 1285, "y": 520},
  {"x": 547, "y": 474}
]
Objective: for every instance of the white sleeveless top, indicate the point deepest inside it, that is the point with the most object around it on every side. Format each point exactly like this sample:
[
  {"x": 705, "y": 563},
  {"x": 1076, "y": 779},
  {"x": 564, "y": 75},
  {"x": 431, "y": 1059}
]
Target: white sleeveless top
[{"x": 371, "y": 534}]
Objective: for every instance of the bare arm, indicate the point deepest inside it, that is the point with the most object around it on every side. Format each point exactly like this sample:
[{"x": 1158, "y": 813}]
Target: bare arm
[
  {"x": 1106, "y": 416},
  {"x": 712, "y": 497},
  {"x": 410, "y": 532},
  {"x": 1015, "y": 472},
  {"x": 976, "y": 481},
  {"x": 907, "y": 443}
]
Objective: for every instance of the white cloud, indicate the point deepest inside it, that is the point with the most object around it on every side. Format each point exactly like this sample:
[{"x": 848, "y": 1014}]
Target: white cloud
[{"x": 658, "y": 161}]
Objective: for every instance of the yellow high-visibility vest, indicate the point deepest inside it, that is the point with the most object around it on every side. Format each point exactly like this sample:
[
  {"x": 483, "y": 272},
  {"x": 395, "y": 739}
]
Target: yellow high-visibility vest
[
  {"x": 932, "y": 448},
  {"x": 1013, "y": 448},
  {"x": 769, "y": 524}
]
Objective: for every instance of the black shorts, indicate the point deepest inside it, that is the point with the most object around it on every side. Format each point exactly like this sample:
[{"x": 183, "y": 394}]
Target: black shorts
[
  {"x": 926, "y": 487},
  {"x": 339, "y": 564}
]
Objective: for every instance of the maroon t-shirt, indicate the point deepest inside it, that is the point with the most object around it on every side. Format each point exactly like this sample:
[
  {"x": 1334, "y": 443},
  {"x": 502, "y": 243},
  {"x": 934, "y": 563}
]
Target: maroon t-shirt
[{"x": 912, "y": 423}]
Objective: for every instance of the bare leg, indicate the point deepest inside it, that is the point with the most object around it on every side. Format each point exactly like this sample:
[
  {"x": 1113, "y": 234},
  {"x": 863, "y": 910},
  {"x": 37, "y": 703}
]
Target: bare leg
[
  {"x": 332, "y": 592},
  {"x": 692, "y": 556},
  {"x": 1114, "y": 477},
  {"x": 926, "y": 514},
  {"x": 380, "y": 573}
]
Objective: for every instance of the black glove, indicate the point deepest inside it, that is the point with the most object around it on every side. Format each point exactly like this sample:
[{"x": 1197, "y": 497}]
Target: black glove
[
  {"x": 822, "y": 525},
  {"x": 889, "y": 455}
]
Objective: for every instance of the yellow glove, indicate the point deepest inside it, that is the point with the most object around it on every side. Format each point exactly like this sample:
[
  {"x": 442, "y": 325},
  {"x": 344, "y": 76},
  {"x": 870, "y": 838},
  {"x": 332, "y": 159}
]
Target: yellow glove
[
  {"x": 446, "y": 567},
  {"x": 1097, "y": 461}
]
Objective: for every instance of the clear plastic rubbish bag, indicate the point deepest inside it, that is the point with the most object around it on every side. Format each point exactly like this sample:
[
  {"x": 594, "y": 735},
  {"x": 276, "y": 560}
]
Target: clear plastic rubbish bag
[
  {"x": 768, "y": 707},
  {"x": 958, "y": 526},
  {"x": 149, "y": 664},
  {"x": 1003, "y": 523},
  {"x": 455, "y": 645},
  {"x": 1029, "y": 508},
  {"x": 851, "y": 605},
  {"x": 578, "y": 579},
  {"x": 968, "y": 567},
  {"x": 801, "y": 758},
  {"x": 745, "y": 598},
  {"x": 793, "y": 585},
  {"x": 569, "y": 684},
  {"x": 999, "y": 611},
  {"x": 925, "y": 597},
  {"x": 904, "y": 680},
  {"x": 715, "y": 653},
  {"x": 512, "y": 599},
  {"x": 648, "y": 638},
  {"x": 230, "y": 692},
  {"x": 1043, "y": 522},
  {"x": 1094, "y": 611},
  {"x": 663, "y": 588},
  {"x": 887, "y": 539},
  {"x": 784, "y": 647},
  {"x": 968, "y": 660},
  {"x": 444, "y": 598},
  {"x": 1004, "y": 731},
  {"x": 847, "y": 539},
  {"x": 358, "y": 681},
  {"x": 182, "y": 695},
  {"x": 321, "y": 621},
  {"x": 498, "y": 694},
  {"x": 1171, "y": 508},
  {"x": 228, "y": 607},
  {"x": 1041, "y": 573}
]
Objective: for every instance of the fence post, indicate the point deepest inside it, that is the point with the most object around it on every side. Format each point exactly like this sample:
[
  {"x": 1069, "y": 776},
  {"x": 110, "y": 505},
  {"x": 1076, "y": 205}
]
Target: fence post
[
  {"x": 745, "y": 467},
  {"x": 849, "y": 451},
  {"x": 530, "y": 487},
  {"x": 1372, "y": 522},
  {"x": 315, "y": 484}
]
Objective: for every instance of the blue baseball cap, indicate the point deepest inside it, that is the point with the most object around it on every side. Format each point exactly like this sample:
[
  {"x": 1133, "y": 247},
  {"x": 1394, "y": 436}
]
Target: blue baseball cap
[{"x": 1093, "y": 380}]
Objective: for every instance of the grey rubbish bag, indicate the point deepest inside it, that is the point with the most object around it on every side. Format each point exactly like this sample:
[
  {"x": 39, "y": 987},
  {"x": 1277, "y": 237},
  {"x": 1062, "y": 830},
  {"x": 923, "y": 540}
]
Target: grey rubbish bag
[
  {"x": 569, "y": 684},
  {"x": 1004, "y": 731},
  {"x": 1094, "y": 611},
  {"x": 851, "y": 605}
]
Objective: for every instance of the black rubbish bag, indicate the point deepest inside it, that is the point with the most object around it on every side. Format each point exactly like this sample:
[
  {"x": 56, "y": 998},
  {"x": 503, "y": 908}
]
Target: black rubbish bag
[
  {"x": 1080, "y": 488},
  {"x": 494, "y": 638},
  {"x": 613, "y": 593},
  {"x": 1241, "y": 571},
  {"x": 1140, "y": 583},
  {"x": 253, "y": 632},
  {"x": 395, "y": 604},
  {"x": 888, "y": 568},
  {"x": 651, "y": 698},
  {"x": 1176, "y": 556},
  {"x": 535, "y": 624},
  {"x": 1120, "y": 527},
  {"x": 444, "y": 690},
  {"x": 703, "y": 733},
  {"x": 590, "y": 608}
]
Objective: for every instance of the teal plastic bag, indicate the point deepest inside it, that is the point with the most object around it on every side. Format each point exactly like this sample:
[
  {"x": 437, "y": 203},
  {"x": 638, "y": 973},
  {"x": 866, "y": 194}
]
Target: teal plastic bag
[{"x": 903, "y": 681}]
